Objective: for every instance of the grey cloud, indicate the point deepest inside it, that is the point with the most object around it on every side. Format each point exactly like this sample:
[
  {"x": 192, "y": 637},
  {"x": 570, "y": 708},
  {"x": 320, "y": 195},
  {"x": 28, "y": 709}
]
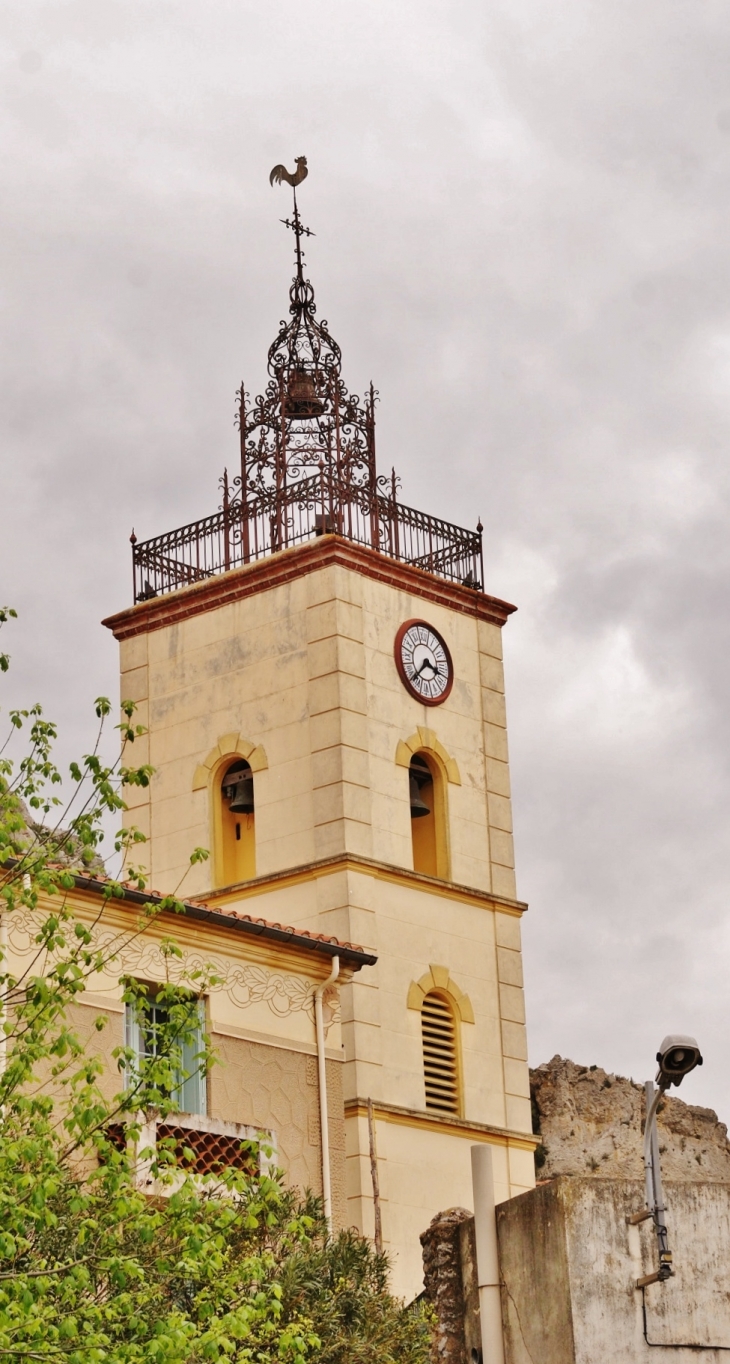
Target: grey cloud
[{"x": 521, "y": 218}]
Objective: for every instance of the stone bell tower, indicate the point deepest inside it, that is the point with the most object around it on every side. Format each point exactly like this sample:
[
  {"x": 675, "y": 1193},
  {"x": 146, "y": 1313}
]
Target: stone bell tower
[{"x": 320, "y": 671}]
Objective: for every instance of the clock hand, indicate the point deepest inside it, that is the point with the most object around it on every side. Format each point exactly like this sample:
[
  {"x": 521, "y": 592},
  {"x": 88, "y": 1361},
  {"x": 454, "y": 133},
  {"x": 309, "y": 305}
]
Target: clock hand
[{"x": 426, "y": 664}]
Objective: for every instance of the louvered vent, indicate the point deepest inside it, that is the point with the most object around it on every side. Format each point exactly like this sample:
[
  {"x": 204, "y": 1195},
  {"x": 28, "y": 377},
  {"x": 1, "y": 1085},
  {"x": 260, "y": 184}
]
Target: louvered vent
[{"x": 439, "y": 1055}]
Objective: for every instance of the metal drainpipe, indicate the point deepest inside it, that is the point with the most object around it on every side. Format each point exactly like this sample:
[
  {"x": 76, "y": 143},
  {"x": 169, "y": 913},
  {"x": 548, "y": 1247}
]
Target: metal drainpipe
[
  {"x": 485, "y": 1231},
  {"x": 322, "y": 1073}
]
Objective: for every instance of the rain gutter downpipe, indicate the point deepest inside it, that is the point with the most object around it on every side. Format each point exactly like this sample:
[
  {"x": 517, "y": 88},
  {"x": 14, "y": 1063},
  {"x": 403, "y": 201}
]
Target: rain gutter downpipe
[
  {"x": 322, "y": 1074},
  {"x": 488, "y": 1277}
]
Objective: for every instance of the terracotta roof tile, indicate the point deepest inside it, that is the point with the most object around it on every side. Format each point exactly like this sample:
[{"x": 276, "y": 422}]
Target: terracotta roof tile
[
  {"x": 199, "y": 908},
  {"x": 271, "y": 923}
]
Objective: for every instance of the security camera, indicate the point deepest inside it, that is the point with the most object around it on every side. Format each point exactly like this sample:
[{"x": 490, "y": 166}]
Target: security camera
[{"x": 677, "y": 1056}]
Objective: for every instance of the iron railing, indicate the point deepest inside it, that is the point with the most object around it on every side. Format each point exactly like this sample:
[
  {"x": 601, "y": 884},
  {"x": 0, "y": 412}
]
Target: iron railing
[{"x": 243, "y": 531}]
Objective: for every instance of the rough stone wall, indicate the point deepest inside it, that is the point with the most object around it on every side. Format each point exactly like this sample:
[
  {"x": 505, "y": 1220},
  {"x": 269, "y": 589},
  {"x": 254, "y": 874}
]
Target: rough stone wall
[
  {"x": 447, "y": 1242},
  {"x": 272, "y": 1087},
  {"x": 591, "y": 1123}
]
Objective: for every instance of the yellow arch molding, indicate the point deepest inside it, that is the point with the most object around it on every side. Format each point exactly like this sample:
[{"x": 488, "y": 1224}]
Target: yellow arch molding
[
  {"x": 438, "y": 978},
  {"x": 425, "y": 738},
  {"x": 230, "y": 746}
]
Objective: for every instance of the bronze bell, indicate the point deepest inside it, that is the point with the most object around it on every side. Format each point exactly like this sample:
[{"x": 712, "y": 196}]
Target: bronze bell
[
  {"x": 302, "y": 399},
  {"x": 239, "y": 794},
  {"x": 418, "y": 806}
]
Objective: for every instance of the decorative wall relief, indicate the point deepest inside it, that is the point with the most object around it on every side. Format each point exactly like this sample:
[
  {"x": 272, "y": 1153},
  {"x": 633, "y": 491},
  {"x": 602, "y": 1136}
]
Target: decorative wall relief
[{"x": 245, "y": 983}]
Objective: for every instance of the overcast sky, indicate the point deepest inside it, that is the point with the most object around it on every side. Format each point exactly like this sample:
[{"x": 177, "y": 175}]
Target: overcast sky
[{"x": 521, "y": 213}]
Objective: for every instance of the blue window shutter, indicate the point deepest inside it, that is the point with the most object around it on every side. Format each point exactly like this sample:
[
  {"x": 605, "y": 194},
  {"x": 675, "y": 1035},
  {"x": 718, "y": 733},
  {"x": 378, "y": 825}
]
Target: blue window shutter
[
  {"x": 192, "y": 1090},
  {"x": 132, "y": 1038}
]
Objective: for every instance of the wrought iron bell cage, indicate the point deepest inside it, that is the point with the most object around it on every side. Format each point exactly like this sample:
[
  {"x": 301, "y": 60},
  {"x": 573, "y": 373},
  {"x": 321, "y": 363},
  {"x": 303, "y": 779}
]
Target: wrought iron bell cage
[{"x": 307, "y": 468}]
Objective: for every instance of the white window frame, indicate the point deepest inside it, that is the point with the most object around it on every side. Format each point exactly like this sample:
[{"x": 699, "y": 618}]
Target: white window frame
[{"x": 193, "y": 1089}]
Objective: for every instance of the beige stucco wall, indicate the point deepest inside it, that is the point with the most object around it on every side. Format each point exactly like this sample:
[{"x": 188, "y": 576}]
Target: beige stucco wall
[
  {"x": 304, "y": 671},
  {"x": 412, "y": 927},
  {"x": 260, "y": 1018},
  {"x": 421, "y": 1173},
  {"x": 257, "y": 1084},
  {"x": 277, "y": 1089}
]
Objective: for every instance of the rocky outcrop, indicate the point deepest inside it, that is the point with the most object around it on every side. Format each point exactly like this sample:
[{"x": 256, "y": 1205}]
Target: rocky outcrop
[
  {"x": 55, "y": 847},
  {"x": 591, "y": 1122}
]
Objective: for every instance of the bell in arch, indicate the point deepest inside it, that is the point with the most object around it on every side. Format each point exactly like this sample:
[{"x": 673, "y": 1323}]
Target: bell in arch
[
  {"x": 419, "y": 775},
  {"x": 418, "y": 806},
  {"x": 302, "y": 399},
  {"x": 238, "y": 789}
]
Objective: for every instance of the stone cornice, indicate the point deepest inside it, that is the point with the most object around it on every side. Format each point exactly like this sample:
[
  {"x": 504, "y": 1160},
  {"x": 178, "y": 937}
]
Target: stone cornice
[
  {"x": 367, "y": 866},
  {"x": 436, "y": 1122},
  {"x": 293, "y": 563}
]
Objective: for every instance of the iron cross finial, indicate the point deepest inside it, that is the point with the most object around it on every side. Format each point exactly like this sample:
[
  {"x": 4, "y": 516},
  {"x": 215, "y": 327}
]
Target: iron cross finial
[{"x": 277, "y": 176}]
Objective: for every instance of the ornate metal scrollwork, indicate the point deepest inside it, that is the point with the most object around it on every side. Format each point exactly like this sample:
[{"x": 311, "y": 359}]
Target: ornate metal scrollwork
[
  {"x": 308, "y": 468},
  {"x": 306, "y": 431}
]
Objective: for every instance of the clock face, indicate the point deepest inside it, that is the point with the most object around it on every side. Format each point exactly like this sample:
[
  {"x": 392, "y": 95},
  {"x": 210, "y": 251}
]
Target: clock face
[{"x": 423, "y": 662}]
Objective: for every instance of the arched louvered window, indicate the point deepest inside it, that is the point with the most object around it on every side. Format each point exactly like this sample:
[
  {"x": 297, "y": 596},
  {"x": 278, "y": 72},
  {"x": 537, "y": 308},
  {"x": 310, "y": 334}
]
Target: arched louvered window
[{"x": 440, "y": 1054}]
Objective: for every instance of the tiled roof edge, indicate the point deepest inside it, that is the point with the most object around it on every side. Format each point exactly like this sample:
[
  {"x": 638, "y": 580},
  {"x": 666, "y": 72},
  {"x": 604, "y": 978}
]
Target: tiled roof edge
[{"x": 260, "y": 928}]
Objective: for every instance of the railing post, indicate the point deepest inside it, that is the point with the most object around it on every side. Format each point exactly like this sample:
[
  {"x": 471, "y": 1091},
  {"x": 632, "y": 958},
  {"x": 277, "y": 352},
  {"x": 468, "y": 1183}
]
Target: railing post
[
  {"x": 133, "y": 541},
  {"x": 321, "y": 497},
  {"x": 333, "y": 524},
  {"x": 480, "y": 528},
  {"x": 374, "y": 519},
  {"x": 280, "y": 466},
  {"x": 243, "y": 429},
  {"x": 226, "y": 526},
  {"x": 338, "y": 448},
  {"x": 395, "y": 538}
]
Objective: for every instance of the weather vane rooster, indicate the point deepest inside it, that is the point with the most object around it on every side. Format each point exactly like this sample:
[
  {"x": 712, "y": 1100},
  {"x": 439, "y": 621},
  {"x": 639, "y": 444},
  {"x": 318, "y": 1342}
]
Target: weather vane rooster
[{"x": 280, "y": 173}]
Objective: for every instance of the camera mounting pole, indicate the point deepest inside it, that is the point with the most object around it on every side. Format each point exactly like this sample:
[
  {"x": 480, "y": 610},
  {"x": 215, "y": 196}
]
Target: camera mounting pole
[
  {"x": 677, "y": 1056},
  {"x": 654, "y": 1192}
]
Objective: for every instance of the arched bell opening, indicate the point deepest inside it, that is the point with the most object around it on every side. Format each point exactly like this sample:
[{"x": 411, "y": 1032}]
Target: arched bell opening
[
  {"x": 236, "y": 810},
  {"x": 428, "y": 816}
]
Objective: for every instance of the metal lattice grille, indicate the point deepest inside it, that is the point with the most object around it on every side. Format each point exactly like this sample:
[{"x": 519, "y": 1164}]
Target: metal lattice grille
[
  {"x": 198, "y": 1152},
  {"x": 205, "y": 1152},
  {"x": 439, "y": 1055}
]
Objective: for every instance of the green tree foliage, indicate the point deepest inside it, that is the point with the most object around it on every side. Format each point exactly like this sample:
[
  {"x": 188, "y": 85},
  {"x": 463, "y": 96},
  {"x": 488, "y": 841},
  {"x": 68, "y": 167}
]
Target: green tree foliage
[{"x": 95, "y": 1268}]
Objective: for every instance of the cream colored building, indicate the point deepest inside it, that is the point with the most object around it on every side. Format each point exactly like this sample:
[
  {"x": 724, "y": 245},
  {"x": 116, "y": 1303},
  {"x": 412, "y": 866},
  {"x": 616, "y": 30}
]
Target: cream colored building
[
  {"x": 337, "y": 651},
  {"x": 259, "y": 1017}
]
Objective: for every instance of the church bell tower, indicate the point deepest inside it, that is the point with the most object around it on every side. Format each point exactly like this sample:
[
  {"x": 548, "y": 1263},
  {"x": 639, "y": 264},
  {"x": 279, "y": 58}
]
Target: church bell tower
[{"x": 319, "y": 669}]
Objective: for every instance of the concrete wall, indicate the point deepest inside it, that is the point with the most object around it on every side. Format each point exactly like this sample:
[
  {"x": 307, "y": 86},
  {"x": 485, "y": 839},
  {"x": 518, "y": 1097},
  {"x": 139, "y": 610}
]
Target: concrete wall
[{"x": 569, "y": 1264}]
